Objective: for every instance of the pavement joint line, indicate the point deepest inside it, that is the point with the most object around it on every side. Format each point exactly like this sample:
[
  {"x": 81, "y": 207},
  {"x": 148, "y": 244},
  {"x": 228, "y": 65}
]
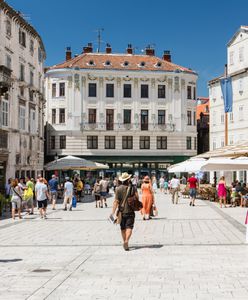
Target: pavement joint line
[
  {"x": 133, "y": 245},
  {"x": 228, "y": 218},
  {"x": 63, "y": 270}
]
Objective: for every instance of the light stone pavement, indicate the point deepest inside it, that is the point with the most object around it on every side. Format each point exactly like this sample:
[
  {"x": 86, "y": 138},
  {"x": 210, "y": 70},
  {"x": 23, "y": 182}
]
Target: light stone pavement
[{"x": 184, "y": 253}]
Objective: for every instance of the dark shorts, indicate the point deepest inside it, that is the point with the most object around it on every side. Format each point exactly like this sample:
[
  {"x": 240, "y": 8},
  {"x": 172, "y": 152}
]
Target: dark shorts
[
  {"x": 42, "y": 203},
  {"x": 127, "y": 222},
  {"x": 103, "y": 194},
  {"x": 79, "y": 193},
  {"x": 97, "y": 197},
  {"x": 192, "y": 193}
]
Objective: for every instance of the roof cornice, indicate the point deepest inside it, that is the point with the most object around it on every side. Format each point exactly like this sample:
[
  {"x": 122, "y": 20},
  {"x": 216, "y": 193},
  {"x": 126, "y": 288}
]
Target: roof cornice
[{"x": 13, "y": 14}]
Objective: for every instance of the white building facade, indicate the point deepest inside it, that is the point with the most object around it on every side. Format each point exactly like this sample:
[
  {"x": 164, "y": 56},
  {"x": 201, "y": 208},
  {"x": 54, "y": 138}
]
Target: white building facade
[
  {"x": 21, "y": 96},
  {"x": 237, "y": 68},
  {"x": 133, "y": 112}
]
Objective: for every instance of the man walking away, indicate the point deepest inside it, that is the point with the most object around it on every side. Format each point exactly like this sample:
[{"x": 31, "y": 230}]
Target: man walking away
[
  {"x": 161, "y": 184},
  {"x": 68, "y": 189},
  {"x": 128, "y": 214},
  {"x": 53, "y": 188},
  {"x": 104, "y": 190},
  {"x": 42, "y": 195},
  {"x": 193, "y": 184},
  {"x": 30, "y": 200},
  {"x": 175, "y": 187}
]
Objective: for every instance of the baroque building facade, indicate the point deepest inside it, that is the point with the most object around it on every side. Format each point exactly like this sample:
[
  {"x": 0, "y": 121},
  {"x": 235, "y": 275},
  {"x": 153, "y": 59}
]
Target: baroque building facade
[
  {"x": 133, "y": 112},
  {"x": 22, "y": 55},
  {"x": 237, "y": 69}
]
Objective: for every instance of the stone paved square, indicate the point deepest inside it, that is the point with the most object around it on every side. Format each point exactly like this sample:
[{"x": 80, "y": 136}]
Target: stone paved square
[{"x": 184, "y": 253}]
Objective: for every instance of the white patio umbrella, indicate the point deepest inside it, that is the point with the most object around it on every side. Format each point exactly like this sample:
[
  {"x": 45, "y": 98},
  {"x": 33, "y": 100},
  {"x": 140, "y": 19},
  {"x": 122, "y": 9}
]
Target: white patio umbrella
[
  {"x": 225, "y": 164},
  {"x": 187, "y": 166},
  {"x": 73, "y": 163}
]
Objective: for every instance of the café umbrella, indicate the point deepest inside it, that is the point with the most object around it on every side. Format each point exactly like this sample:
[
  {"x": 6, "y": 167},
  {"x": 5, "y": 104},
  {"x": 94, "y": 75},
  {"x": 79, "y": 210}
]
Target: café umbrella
[{"x": 74, "y": 163}]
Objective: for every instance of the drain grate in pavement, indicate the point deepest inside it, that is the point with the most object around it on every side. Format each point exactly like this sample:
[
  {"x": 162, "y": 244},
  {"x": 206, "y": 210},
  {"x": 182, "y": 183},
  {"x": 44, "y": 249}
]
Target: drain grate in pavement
[{"x": 41, "y": 270}]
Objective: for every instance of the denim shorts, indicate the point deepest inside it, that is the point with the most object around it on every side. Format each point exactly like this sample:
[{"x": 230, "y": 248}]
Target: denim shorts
[{"x": 192, "y": 193}]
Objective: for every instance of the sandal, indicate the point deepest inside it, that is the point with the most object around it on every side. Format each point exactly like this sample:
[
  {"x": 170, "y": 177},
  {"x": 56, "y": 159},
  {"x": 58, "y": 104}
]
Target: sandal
[{"x": 125, "y": 246}]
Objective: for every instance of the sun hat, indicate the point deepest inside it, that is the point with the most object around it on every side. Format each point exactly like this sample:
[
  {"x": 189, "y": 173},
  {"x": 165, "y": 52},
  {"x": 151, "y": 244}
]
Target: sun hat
[
  {"x": 146, "y": 179},
  {"x": 124, "y": 176}
]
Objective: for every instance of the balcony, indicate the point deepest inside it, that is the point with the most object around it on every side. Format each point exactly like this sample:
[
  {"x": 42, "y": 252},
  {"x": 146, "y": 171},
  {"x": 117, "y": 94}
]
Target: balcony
[
  {"x": 5, "y": 78},
  {"x": 169, "y": 127},
  {"x": 3, "y": 139}
]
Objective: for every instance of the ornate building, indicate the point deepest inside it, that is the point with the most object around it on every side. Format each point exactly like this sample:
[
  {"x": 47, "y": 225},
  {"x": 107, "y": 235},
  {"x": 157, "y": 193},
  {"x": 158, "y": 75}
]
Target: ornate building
[
  {"x": 237, "y": 69},
  {"x": 133, "y": 112},
  {"x": 21, "y": 96}
]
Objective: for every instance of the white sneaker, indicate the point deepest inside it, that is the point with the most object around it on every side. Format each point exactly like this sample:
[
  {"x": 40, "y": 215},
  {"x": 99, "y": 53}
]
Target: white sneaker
[{"x": 45, "y": 217}]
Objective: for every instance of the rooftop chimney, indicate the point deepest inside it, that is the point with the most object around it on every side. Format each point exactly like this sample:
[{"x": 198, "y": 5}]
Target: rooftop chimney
[
  {"x": 167, "y": 56},
  {"x": 88, "y": 48},
  {"x": 129, "y": 49},
  {"x": 108, "y": 48},
  {"x": 150, "y": 50},
  {"x": 68, "y": 53}
]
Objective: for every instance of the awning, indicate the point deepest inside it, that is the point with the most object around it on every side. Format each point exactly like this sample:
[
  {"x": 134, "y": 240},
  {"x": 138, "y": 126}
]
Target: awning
[
  {"x": 225, "y": 164},
  {"x": 188, "y": 166}
]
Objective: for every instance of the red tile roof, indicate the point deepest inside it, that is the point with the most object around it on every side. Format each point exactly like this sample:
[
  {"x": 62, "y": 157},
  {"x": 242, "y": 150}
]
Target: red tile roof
[{"x": 116, "y": 62}]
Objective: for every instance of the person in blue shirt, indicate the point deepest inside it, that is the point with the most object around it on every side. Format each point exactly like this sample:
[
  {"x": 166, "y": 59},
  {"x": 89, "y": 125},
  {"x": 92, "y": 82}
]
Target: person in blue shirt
[{"x": 53, "y": 189}]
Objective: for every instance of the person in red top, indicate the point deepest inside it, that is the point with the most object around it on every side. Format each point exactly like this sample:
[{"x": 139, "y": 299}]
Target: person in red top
[{"x": 193, "y": 184}]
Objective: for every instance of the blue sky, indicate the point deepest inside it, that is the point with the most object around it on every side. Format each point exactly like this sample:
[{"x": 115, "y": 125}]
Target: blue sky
[{"x": 195, "y": 31}]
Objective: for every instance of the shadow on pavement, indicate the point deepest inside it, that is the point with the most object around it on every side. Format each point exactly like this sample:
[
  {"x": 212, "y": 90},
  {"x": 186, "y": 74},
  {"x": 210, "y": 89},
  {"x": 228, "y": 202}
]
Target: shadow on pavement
[
  {"x": 10, "y": 260},
  {"x": 145, "y": 246}
]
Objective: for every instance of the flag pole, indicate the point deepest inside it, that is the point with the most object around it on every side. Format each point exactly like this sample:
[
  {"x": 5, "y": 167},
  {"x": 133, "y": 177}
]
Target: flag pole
[{"x": 226, "y": 116}]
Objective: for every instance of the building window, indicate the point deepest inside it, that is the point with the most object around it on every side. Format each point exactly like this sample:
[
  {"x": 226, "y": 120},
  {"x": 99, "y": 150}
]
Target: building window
[
  {"x": 40, "y": 55},
  {"x": 241, "y": 54},
  {"x": 222, "y": 143},
  {"x": 32, "y": 123},
  {"x": 22, "y": 115},
  {"x": 161, "y": 142},
  {"x": 61, "y": 115},
  {"x": 127, "y": 116},
  {"x": 189, "y": 117},
  {"x": 31, "y": 77},
  {"x": 92, "y": 89},
  {"x": 127, "y": 90},
  {"x": 110, "y": 90},
  {"x": 144, "y": 91},
  {"x": 144, "y": 119},
  {"x": 214, "y": 143},
  {"x": 189, "y": 92},
  {"x": 53, "y": 116},
  {"x": 161, "y": 91},
  {"x": 188, "y": 142},
  {"x": 8, "y": 61},
  {"x": 144, "y": 142},
  {"x": 214, "y": 117},
  {"x": 31, "y": 95},
  {"x": 92, "y": 142},
  {"x": 231, "y": 140},
  {"x": 222, "y": 118},
  {"x": 194, "y": 91},
  {"x": 22, "y": 72},
  {"x": 92, "y": 116},
  {"x": 161, "y": 117},
  {"x": 241, "y": 86},
  {"x": 194, "y": 118},
  {"x": 8, "y": 28},
  {"x": 62, "y": 89},
  {"x": 52, "y": 141},
  {"x": 53, "y": 90},
  {"x": 22, "y": 91},
  {"x": 31, "y": 47},
  {"x": 231, "y": 58},
  {"x": 127, "y": 142},
  {"x": 110, "y": 119},
  {"x": 231, "y": 117},
  {"x": 22, "y": 38},
  {"x": 109, "y": 142},
  {"x": 62, "y": 142},
  {"x": 241, "y": 113},
  {"x": 195, "y": 143},
  {"x": 5, "y": 112}
]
